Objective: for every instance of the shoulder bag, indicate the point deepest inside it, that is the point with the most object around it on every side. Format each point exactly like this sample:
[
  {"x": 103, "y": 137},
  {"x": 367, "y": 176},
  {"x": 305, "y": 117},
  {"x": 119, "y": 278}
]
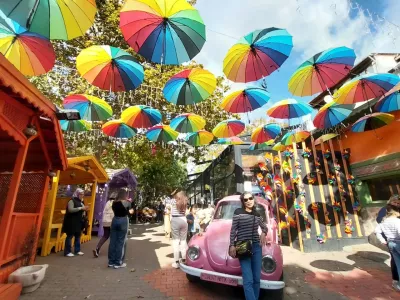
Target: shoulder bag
[{"x": 245, "y": 248}]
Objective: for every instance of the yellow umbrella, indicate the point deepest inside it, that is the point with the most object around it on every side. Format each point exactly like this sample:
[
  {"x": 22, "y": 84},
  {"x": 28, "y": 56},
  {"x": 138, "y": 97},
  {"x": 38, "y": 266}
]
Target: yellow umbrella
[{"x": 325, "y": 137}]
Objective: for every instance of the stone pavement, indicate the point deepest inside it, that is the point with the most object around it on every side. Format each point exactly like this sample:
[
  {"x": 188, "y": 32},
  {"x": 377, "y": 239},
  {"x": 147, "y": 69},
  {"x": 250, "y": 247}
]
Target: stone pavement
[{"x": 356, "y": 273}]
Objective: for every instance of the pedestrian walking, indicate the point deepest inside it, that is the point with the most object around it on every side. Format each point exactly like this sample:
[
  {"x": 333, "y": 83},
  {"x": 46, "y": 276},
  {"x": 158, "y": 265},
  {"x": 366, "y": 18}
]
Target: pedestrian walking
[
  {"x": 190, "y": 220},
  {"x": 160, "y": 212},
  {"x": 388, "y": 233},
  {"x": 73, "y": 223},
  {"x": 108, "y": 216},
  {"x": 119, "y": 231},
  {"x": 246, "y": 244}
]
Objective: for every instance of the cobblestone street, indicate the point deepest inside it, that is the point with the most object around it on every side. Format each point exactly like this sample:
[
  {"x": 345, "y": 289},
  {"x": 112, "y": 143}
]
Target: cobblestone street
[{"x": 358, "y": 273}]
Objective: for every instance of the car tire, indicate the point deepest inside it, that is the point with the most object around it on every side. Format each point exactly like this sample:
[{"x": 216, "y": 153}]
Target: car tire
[{"x": 192, "y": 279}]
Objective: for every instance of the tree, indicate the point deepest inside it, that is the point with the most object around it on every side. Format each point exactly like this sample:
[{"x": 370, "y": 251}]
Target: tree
[{"x": 138, "y": 153}]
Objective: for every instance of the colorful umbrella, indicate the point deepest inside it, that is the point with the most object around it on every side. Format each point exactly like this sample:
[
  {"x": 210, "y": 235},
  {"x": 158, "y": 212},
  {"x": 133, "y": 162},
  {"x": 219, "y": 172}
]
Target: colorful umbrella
[
  {"x": 262, "y": 146},
  {"x": 365, "y": 87},
  {"x": 228, "y": 128},
  {"x": 54, "y": 19},
  {"x": 199, "y": 138},
  {"x": 246, "y": 100},
  {"x": 279, "y": 147},
  {"x": 389, "y": 102},
  {"x": 289, "y": 109},
  {"x": 294, "y": 137},
  {"x": 332, "y": 114},
  {"x": 169, "y": 32},
  {"x": 257, "y": 54},
  {"x": 75, "y": 125},
  {"x": 90, "y": 108},
  {"x": 322, "y": 71},
  {"x": 141, "y": 116},
  {"x": 31, "y": 53},
  {"x": 185, "y": 123},
  {"x": 118, "y": 129},
  {"x": 162, "y": 133},
  {"x": 372, "y": 122},
  {"x": 265, "y": 133},
  {"x": 234, "y": 140},
  {"x": 190, "y": 86},
  {"x": 110, "y": 68},
  {"x": 324, "y": 138}
]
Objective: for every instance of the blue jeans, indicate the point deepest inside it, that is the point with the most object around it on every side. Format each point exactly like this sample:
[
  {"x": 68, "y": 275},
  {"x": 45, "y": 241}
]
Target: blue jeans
[
  {"x": 117, "y": 247},
  {"x": 394, "y": 248},
  {"x": 251, "y": 273},
  {"x": 77, "y": 242}
]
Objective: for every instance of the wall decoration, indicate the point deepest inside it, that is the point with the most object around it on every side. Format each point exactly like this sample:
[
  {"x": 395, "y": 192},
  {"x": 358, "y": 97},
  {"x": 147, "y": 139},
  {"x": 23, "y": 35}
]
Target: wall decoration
[
  {"x": 315, "y": 207},
  {"x": 332, "y": 179},
  {"x": 321, "y": 238},
  {"x": 348, "y": 226},
  {"x": 306, "y": 153},
  {"x": 337, "y": 206},
  {"x": 327, "y": 153}
]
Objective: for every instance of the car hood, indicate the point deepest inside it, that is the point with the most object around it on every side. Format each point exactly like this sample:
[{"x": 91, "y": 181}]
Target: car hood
[{"x": 217, "y": 247}]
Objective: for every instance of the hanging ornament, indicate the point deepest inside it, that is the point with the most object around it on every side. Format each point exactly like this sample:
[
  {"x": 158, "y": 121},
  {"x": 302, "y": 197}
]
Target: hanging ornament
[
  {"x": 283, "y": 210},
  {"x": 277, "y": 161},
  {"x": 328, "y": 221},
  {"x": 260, "y": 176},
  {"x": 336, "y": 206},
  {"x": 351, "y": 180},
  {"x": 318, "y": 168},
  {"x": 306, "y": 153},
  {"x": 262, "y": 166},
  {"x": 278, "y": 181},
  {"x": 302, "y": 193},
  {"x": 295, "y": 179},
  {"x": 315, "y": 207},
  {"x": 298, "y": 208},
  {"x": 342, "y": 191},
  {"x": 286, "y": 167},
  {"x": 346, "y": 154},
  {"x": 311, "y": 178},
  {"x": 336, "y": 166},
  {"x": 289, "y": 191},
  {"x": 332, "y": 179},
  {"x": 291, "y": 221},
  {"x": 268, "y": 192},
  {"x": 288, "y": 153},
  {"x": 356, "y": 206},
  {"x": 307, "y": 224},
  {"x": 283, "y": 225},
  {"x": 348, "y": 226},
  {"x": 321, "y": 238},
  {"x": 297, "y": 165}
]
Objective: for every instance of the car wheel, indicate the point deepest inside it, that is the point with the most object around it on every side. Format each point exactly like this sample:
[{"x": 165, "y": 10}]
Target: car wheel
[{"x": 192, "y": 278}]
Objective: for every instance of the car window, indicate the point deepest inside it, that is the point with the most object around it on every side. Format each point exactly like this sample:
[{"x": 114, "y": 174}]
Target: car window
[{"x": 226, "y": 209}]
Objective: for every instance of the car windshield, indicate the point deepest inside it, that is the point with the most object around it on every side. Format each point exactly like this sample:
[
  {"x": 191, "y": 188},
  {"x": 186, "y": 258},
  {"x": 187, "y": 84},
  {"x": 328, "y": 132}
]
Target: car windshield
[{"x": 226, "y": 209}]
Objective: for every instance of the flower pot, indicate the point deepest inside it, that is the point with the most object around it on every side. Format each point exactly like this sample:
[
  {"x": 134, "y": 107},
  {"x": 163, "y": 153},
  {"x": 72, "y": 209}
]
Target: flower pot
[{"x": 30, "y": 277}]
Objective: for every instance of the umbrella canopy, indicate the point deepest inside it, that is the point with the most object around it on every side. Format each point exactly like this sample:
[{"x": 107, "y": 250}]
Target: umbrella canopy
[
  {"x": 294, "y": 137},
  {"x": 162, "y": 133},
  {"x": 228, "y": 128},
  {"x": 332, "y": 114},
  {"x": 279, "y": 147},
  {"x": 322, "y": 71},
  {"x": 372, "y": 122},
  {"x": 234, "y": 140},
  {"x": 365, "y": 87},
  {"x": 199, "y": 138},
  {"x": 325, "y": 137},
  {"x": 262, "y": 146},
  {"x": 31, "y": 53},
  {"x": 90, "y": 108},
  {"x": 246, "y": 100},
  {"x": 169, "y": 32},
  {"x": 257, "y": 54},
  {"x": 54, "y": 19},
  {"x": 289, "y": 109},
  {"x": 185, "y": 123},
  {"x": 118, "y": 129},
  {"x": 190, "y": 87},
  {"x": 110, "y": 68},
  {"x": 265, "y": 133},
  {"x": 389, "y": 102},
  {"x": 75, "y": 125},
  {"x": 141, "y": 116}
]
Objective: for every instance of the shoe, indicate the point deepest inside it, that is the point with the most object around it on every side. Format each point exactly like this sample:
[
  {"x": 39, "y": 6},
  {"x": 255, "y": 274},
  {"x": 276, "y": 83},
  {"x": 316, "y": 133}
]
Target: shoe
[
  {"x": 120, "y": 266},
  {"x": 396, "y": 286},
  {"x": 110, "y": 266},
  {"x": 96, "y": 253},
  {"x": 175, "y": 265},
  {"x": 70, "y": 255},
  {"x": 80, "y": 253}
]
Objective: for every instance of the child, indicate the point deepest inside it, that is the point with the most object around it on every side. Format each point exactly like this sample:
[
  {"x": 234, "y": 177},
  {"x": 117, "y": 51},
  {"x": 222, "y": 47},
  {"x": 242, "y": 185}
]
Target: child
[{"x": 390, "y": 227}]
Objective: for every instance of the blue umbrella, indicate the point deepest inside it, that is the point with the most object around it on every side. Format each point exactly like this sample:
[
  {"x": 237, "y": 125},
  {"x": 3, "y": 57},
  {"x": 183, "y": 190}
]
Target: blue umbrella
[{"x": 390, "y": 102}]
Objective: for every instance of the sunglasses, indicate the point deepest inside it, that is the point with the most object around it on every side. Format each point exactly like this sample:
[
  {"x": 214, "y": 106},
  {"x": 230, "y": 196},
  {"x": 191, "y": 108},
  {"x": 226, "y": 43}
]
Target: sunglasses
[{"x": 247, "y": 199}]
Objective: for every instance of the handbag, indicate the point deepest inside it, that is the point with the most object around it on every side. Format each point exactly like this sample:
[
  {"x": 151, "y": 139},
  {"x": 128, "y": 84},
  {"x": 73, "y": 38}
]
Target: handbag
[{"x": 245, "y": 248}]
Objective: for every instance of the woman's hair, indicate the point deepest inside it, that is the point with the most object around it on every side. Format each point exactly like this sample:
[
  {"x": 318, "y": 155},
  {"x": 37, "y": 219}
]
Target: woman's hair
[
  {"x": 181, "y": 201},
  {"x": 242, "y": 199},
  {"x": 77, "y": 192},
  {"x": 392, "y": 209},
  {"x": 122, "y": 195}
]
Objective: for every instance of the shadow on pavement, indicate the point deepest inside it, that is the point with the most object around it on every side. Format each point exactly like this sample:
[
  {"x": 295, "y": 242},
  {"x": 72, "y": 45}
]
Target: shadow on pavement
[{"x": 331, "y": 265}]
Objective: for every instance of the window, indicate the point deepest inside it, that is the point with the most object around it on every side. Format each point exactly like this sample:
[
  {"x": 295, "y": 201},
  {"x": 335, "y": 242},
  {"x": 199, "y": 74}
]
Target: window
[
  {"x": 226, "y": 209},
  {"x": 383, "y": 188}
]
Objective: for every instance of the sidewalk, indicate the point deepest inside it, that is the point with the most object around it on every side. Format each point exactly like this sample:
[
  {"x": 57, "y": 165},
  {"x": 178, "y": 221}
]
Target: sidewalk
[{"x": 358, "y": 273}]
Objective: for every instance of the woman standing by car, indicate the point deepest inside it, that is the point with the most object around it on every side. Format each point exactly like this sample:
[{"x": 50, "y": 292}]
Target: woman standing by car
[{"x": 246, "y": 244}]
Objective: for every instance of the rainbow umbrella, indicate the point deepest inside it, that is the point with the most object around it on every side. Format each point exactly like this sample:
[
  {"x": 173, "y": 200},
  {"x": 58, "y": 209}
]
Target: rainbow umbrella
[
  {"x": 110, "y": 68},
  {"x": 90, "y": 108},
  {"x": 262, "y": 146},
  {"x": 141, "y": 116},
  {"x": 31, "y": 53},
  {"x": 257, "y": 54},
  {"x": 118, "y": 129},
  {"x": 365, "y": 87},
  {"x": 289, "y": 109},
  {"x": 162, "y": 133},
  {"x": 199, "y": 138},
  {"x": 332, "y": 114},
  {"x": 265, "y": 133},
  {"x": 190, "y": 86},
  {"x": 185, "y": 123},
  {"x": 246, "y": 100},
  {"x": 322, "y": 71},
  {"x": 54, "y": 19},
  {"x": 234, "y": 140},
  {"x": 324, "y": 138},
  {"x": 294, "y": 137},
  {"x": 75, "y": 125},
  {"x": 372, "y": 122},
  {"x": 228, "y": 128},
  {"x": 169, "y": 32},
  {"x": 389, "y": 102},
  {"x": 279, "y": 147}
]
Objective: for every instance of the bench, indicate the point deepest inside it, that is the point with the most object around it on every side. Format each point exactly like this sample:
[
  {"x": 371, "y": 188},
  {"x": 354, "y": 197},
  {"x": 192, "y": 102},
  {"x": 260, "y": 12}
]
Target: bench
[{"x": 10, "y": 291}]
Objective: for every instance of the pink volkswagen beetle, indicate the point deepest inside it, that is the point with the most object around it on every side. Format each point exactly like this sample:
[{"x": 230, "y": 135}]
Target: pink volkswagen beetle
[{"x": 208, "y": 259}]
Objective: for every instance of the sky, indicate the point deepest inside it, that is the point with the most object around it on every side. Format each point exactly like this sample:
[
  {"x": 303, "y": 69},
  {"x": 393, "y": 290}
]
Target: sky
[{"x": 315, "y": 25}]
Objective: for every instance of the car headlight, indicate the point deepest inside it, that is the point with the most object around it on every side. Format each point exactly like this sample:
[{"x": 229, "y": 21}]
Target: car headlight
[
  {"x": 193, "y": 252},
  {"x": 268, "y": 264}
]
